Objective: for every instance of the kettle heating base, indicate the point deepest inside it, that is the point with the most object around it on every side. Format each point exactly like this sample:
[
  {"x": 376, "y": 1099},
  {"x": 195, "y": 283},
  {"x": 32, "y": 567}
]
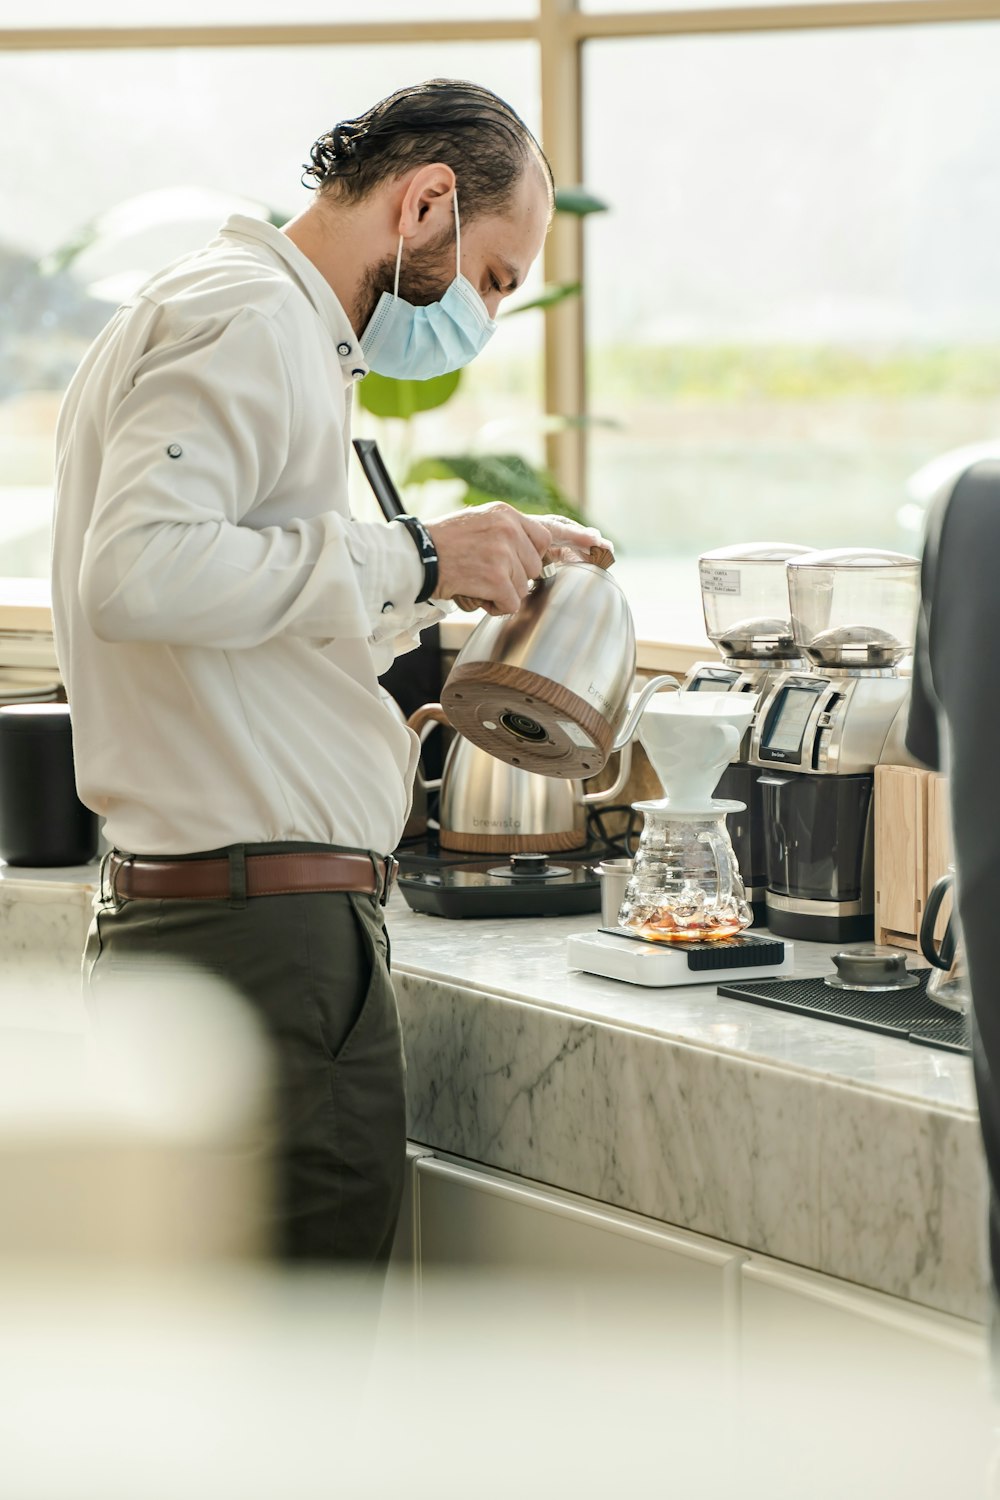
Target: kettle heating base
[{"x": 472, "y": 892}]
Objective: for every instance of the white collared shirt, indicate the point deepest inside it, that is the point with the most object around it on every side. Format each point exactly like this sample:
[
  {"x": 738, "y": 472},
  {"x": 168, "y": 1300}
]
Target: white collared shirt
[{"x": 219, "y": 617}]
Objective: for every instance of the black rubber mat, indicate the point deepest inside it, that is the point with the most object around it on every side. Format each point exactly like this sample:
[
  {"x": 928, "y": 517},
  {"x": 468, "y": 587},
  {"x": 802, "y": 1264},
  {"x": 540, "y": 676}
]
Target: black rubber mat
[{"x": 905, "y": 1013}]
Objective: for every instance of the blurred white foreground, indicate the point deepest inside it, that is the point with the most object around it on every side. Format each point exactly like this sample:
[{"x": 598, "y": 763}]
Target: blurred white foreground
[
  {"x": 250, "y": 1386},
  {"x": 149, "y": 1352}
]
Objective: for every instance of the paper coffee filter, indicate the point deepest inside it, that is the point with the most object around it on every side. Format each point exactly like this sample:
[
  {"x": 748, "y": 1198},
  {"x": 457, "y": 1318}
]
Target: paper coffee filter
[{"x": 726, "y": 708}]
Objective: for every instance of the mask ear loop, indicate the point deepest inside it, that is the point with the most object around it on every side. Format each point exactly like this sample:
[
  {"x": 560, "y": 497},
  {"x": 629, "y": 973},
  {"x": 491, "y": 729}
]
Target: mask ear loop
[
  {"x": 458, "y": 246},
  {"x": 399, "y": 257},
  {"x": 458, "y": 235}
]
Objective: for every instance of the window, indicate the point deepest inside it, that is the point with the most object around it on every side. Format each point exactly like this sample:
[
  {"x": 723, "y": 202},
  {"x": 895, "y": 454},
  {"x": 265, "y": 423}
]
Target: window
[
  {"x": 88, "y": 130},
  {"x": 793, "y": 303},
  {"x": 791, "y": 307}
]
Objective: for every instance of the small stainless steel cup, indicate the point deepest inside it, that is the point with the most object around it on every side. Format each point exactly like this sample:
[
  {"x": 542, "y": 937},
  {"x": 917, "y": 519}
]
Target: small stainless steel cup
[{"x": 614, "y": 875}]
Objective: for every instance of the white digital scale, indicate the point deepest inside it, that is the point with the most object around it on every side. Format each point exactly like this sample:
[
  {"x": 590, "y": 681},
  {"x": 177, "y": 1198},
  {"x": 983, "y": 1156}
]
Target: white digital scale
[{"x": 617, "y": 954}]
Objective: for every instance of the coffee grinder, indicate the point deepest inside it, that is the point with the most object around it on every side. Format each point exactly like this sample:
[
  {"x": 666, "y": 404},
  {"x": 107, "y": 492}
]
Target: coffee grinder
[
  {"x": 744, "y": 596},
  {"x": 820, "y": 733}
]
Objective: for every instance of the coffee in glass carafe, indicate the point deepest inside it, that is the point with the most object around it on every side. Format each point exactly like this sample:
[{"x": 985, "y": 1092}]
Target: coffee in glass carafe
[{"x": 685, "y": 884}]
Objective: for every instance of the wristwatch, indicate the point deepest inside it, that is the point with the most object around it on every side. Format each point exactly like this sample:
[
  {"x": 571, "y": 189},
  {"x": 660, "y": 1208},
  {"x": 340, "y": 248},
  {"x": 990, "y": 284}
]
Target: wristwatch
[{"x": 424, "y": 544}]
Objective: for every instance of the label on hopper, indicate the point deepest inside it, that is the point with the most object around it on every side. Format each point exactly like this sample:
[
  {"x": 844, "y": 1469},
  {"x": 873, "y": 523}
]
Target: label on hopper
[{"x": 720, "y": 580}]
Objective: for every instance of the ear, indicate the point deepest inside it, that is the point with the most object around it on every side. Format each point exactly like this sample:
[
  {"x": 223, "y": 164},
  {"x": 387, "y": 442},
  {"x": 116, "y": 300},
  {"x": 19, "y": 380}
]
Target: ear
[{"x": 426, "y": 199}]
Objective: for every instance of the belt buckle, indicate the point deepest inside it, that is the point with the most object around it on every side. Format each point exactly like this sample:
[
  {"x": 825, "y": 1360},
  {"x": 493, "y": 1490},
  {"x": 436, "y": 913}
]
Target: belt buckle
[
  {"x": 112, "y": 866},
  {"x": 388, "y": 879}
]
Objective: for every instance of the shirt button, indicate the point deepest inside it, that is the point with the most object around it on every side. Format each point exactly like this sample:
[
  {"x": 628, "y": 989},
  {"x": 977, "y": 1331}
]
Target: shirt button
[
  {"x": 343, "y": 348},
  {"x": 359, "y": 374},
  {"x": 387, "y": 606},
  {"x": 174, "y": 450}
]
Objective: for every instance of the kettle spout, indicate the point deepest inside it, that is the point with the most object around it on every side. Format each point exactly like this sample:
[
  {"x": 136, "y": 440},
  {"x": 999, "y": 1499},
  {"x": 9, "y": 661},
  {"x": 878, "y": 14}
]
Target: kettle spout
[{"x": 639, "y": 703}]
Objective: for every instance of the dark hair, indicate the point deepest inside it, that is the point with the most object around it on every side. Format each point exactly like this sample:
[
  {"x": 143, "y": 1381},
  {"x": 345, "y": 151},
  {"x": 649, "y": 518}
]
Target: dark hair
[{"x": 483, "y": 140}]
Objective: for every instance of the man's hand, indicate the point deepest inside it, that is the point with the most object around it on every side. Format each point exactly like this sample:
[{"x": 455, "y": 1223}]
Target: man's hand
[{"x": 490, "y": 554}]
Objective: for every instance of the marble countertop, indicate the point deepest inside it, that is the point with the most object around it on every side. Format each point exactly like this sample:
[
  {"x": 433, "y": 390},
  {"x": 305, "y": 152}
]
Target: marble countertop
[
  {"x": 854, "y": 1154},
  {"x": 844, "y": 1151},
  {"x": 525, "y": 960},
  {"x": 75, "y": 877}
]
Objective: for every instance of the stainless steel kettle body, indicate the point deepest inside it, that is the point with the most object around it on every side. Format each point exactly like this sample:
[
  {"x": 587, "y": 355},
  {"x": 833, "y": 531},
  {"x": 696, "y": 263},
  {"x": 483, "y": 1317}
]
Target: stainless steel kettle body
[
  {"x": 547, "y": 689},
  {"x": 489, "y": 807}
]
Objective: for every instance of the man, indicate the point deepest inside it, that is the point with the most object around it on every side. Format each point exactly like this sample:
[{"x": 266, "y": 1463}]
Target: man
[{"x": 221, "y": 621}]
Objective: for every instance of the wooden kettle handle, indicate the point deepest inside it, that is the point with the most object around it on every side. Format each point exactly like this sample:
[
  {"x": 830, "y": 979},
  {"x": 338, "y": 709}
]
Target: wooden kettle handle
[
  {"x": 600, "y": 557},
  {"x": 430, "y": 713}
]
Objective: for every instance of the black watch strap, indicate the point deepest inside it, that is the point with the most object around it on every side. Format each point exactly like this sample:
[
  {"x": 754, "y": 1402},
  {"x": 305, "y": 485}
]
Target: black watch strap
[{"x": 424, "y": 544}]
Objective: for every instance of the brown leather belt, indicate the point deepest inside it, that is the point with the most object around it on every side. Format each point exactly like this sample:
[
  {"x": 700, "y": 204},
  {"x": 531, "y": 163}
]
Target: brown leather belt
[{"x": 137, "y": 879}]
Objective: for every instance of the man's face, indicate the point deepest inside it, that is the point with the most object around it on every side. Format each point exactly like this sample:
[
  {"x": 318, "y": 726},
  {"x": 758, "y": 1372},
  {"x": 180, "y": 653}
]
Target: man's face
[{"x": 498, "y": 250}]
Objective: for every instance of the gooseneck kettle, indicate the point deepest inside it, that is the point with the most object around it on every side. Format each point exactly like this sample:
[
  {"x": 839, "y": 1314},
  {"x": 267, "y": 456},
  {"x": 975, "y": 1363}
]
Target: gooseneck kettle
[
  {"x": 548, "y": 689},
  {"x": 487, "y": 806}
]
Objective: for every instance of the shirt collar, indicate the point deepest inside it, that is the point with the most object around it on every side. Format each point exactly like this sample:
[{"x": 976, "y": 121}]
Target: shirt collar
[{"x": 316, "y": 287}]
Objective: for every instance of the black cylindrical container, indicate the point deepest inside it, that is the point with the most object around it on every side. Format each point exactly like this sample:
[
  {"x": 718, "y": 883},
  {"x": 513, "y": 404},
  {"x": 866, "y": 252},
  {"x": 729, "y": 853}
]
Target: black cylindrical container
[{"x": 42, "y": 820}]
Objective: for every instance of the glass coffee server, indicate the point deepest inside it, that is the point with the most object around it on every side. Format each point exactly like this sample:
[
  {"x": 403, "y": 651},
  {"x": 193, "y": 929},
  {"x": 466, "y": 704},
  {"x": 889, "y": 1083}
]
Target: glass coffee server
[{"x": 685, "y": 884}]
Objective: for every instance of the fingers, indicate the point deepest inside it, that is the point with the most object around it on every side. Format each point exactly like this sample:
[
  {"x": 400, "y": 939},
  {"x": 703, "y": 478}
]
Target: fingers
[
  {"x": 508, "y": 596},
  {"x": 491, "y": 553},
  {"x": 528, "y": 554},
  {"x": 536, "y": 530},
  {"x": 566, "y": 533}
]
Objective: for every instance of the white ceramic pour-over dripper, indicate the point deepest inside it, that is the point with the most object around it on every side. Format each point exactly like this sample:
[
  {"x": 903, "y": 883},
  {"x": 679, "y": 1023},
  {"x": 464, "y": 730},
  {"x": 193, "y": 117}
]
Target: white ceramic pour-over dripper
[{"x": 690, "y": 740}]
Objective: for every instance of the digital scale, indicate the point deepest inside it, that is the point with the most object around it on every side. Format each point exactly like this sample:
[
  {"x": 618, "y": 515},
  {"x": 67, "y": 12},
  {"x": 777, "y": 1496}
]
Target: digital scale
[{"x": 617, "y": 954}]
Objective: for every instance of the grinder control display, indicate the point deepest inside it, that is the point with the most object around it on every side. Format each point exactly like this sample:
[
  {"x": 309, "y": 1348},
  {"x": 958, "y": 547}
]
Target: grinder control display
[{"x": 786, "y": 723}]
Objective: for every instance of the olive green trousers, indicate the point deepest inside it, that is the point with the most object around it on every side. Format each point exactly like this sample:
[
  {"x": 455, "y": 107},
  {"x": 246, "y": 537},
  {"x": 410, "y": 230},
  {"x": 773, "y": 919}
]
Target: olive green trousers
[{"x": 314, "y": 969}]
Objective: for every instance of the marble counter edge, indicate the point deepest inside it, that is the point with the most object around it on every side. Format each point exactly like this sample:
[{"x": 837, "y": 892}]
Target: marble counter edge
[
  {"x": 22, "y": 879},
  {"x": 814, "y": 1072},
  {"x": 815, "y": 1171}
]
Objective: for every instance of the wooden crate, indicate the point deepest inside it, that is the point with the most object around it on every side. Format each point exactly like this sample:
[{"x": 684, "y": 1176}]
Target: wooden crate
[
  {"x": 912, "y": 849},
  {"x": 939, "y": 845},
  {"x": 900, "y": 853}
]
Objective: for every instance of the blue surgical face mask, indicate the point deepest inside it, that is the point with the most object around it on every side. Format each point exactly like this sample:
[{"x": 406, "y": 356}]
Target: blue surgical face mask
[{"x": 417, "y": 343}]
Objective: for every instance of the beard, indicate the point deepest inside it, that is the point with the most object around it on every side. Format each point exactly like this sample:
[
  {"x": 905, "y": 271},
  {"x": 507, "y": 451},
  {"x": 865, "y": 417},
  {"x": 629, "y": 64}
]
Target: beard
[{"x": 424, "y": 276}]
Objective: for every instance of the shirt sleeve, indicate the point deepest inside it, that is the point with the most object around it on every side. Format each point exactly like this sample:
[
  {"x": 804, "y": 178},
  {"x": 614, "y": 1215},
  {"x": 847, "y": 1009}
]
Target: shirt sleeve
[
  {"x": 389, "y": 641},
  {"x": 200, "y": 437}
]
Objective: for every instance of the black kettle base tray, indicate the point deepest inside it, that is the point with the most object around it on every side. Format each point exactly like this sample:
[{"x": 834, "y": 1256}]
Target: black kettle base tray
[{"x": 904, "y": 1013}]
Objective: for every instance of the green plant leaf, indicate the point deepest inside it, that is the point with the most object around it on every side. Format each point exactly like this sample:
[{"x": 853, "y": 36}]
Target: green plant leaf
[
  {"x": 498, "y": 476},
  {"x": 551, "y": 293},
  {"x": 577, "y": 200},
  {"x": 65, "y": 254},
  {"x": 385, "y": 397}
]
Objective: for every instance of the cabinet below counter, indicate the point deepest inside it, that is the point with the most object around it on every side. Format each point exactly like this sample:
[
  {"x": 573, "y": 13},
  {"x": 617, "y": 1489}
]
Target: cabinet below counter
[{"x": 837, "y": 1150}]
